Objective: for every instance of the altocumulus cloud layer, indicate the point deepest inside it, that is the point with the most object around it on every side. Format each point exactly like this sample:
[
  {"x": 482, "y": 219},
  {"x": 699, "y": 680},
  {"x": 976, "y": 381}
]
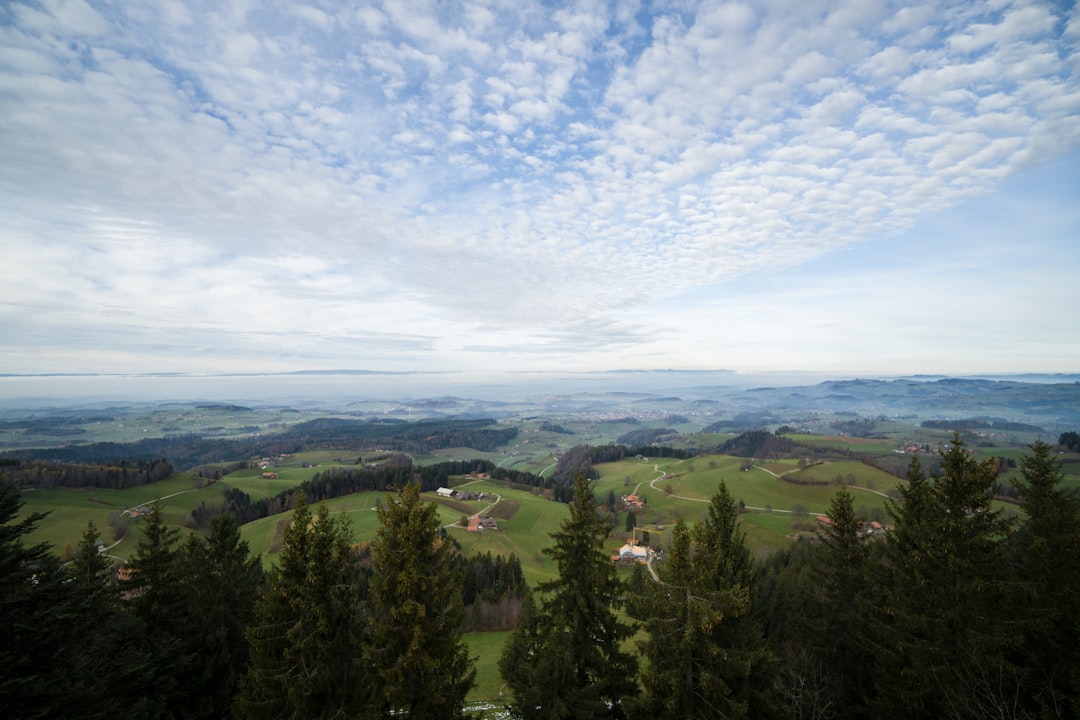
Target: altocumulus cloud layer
[{"x": 405, "y": 185}]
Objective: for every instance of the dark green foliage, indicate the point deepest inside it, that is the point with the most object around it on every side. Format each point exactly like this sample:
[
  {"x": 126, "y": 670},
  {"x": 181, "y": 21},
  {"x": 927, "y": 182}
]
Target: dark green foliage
[
  {"x": 566, "y": 660},
  {"x": 950, "y": 628},
  {"x": 188, "y": 451},
  {"x": 306, "y": 641},
  {"x": 757, "y": 443},
  {"x": 828, "y": 657},
  {"x": 419, "y": 663},
  {"x": 221, "y": 583},
  {"x": 706, "y": 652},
  {"x": 68, "y": 647},
  {"x": 1070, "y": 439},
  {"x": 1048, "y": 564},
  {"x": 982, "y": 423},
  {"x": 645, "y": 436},
  {"x": 116, "y": 476},
  {"x": 492, "y": 591}
]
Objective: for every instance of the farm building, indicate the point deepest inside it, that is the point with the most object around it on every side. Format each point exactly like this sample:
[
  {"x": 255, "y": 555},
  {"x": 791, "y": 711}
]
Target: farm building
[
  {"x": 445, "y": 492},
  {"x": 632, "y": 553},
  {"x": 480, "y": 523}
]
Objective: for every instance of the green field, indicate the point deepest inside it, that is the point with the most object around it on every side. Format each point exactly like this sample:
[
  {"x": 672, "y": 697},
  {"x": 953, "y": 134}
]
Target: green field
[{"x": 70, "y": 509}]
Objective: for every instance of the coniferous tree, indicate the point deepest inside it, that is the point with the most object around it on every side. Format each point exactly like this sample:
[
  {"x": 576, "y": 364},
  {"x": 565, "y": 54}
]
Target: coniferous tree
[
  {"x": 1048, "y": 563},
  {"x": 68, "y": 648},
  {"x": 306, "y": 639},
  {"x": 420, "y": 664},
  {"x": 568, "y": 661},
  {"x": 154, "y": 584},
  {"x": 840, "y": 646},
  {"x": 706, "y": 649},
  {"x": 154, "y": 589},
  {"x": 221, "y": 582},
  {"x": 948, "y": 630}
]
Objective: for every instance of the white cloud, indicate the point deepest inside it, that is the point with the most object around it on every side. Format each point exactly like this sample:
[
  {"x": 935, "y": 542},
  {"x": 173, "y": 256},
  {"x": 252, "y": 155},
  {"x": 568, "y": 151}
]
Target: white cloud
[{"x": 531, "y": 174}]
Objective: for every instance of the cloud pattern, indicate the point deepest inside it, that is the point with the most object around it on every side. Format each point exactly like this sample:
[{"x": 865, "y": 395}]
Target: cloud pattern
[{"x": 399, "y": 183}]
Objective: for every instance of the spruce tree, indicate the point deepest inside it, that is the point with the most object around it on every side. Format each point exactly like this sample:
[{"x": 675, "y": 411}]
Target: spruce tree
[
  {"x": 948, "y": 628},
  {"x": 68, "y": 647},
  {"x": 306, "y": 652},
  {"x": 221, "y": 582},
  {"x": 420, "y": 663},
  {"x": 154, "y": 585},
  {"x": 706, "y": 652},
  {"x": 1048, "y": 566},
  {"x": 568, "y": 662},
  {"x": 844, "y": 600}
]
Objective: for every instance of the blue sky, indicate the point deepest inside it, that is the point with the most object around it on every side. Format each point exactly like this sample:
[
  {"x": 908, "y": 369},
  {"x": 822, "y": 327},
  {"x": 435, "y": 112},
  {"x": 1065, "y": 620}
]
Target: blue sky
[{"x": 866, "y": 187}]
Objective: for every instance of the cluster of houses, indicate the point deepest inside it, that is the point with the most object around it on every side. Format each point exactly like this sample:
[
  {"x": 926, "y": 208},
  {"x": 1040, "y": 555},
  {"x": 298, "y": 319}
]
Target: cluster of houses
[
  {"x": 476, "y": 522},
  {"x": 139, "y": 511},
  {"x": 268, "y": 462},
  {"x": 480, "y": 523},
  {"x": 633, "y": 502},
  {"x": 866, "y": 528}
]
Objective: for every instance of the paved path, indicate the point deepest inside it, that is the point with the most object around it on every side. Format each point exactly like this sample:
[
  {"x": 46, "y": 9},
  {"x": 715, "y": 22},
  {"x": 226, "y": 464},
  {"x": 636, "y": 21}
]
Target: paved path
[{"x": 163, "y": 497}]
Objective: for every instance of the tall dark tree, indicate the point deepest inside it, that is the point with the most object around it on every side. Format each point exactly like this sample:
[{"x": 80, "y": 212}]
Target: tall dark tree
[
  {"x": 1048, "y": 563},
  {"x": 568, "y": 661},
  {"x": 706, "y": 650},
  {"x": 306, "y": 640},
  {"x": 420, "y": 663},
  {"x": 30, "y": 583},
  {"x": 221, "y": 582},
  {"x": 154, "y": 584},
  {"x": 950, "y": 627},
  {"x": 68, "y": 648},
  {"x": 840, "y": 648}
]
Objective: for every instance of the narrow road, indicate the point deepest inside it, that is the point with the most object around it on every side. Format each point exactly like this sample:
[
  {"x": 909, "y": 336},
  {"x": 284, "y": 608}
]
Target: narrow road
[
  {"x": 163, "y": 497},
  {"x": 652, "y": 484}
]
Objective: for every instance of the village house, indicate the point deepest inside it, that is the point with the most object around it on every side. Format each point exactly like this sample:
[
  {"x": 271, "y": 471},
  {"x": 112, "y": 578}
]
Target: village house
[
  {"x": 631, "y": 552},
  {"x": 446, "y": 492},
  {"x": 480, "y": 523}
]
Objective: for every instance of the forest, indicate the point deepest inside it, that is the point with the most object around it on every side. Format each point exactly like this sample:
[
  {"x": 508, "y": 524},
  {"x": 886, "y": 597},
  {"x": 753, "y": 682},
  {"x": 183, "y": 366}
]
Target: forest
[{"x": 958, "y": 611}]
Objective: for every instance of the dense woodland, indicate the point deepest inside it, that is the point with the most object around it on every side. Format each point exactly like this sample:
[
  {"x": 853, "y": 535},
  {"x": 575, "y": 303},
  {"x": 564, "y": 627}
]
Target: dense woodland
[
  {"x": 188, "y": 451},
  {"x": 957, "y": 612}
]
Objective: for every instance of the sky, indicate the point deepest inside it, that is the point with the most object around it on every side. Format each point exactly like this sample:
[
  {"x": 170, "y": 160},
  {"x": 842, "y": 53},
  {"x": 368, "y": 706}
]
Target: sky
[{"x": 847, "y": 188}]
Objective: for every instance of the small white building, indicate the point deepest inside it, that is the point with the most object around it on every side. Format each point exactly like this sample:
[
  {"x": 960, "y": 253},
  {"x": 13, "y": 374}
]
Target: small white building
[
  {"x": 445, "y": 492},
  {"x": 636, "y": 553}
]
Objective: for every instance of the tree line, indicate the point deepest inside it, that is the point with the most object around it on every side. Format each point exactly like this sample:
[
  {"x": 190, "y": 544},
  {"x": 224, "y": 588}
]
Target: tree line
[
  {"x": 187, "y": 451},
  {"x": 393, "y": 474},
  {"x": 113, "y": 476}
]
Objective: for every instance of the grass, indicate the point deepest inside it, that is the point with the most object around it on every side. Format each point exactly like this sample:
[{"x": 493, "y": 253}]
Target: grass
[
  {"x": 71, "y": 508},
  {"x": 486, "y": 647}
]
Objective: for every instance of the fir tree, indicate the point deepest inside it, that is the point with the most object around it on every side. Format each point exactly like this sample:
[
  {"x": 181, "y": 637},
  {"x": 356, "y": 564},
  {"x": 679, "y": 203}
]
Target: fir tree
[
  {"x": 221, "y": 582},
  {"x": 306, "y": 651},
  {"x": 840, "y": 644},
  {"x": 1048, "y": 565},
  {"x": 567, "y": 661},
  {"x": 706, "y": 650},
  {"x": 949, "y": 628},
  {"x": 420, "y": 664}
]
